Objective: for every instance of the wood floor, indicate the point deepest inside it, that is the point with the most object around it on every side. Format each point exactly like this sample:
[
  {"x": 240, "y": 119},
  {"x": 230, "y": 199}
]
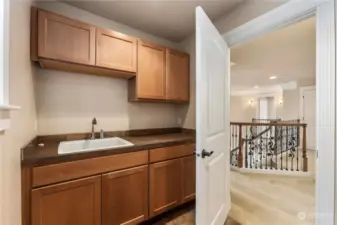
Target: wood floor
[
  {"x": 260, "y": 200},
  {"x": 183, "y": 216},
  {"x": 272, "y": 200}
]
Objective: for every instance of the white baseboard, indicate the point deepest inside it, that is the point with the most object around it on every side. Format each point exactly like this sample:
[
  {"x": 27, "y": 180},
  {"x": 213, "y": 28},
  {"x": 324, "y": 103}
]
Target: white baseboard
[{"x": 273, "y": 172}]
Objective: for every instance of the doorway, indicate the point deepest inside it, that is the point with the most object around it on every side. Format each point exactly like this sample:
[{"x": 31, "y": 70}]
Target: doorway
[
  {"x": 291, "y": 12},
  {"x": 273, "y": 68}
]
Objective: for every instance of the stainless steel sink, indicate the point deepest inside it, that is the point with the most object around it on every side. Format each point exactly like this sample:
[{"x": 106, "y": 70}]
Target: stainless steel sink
[{"x": 66, "y": 147}]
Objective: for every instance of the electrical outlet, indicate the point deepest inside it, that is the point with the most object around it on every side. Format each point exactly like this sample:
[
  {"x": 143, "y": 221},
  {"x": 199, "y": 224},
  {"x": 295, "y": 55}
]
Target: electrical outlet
[{"x": 179, "y": 121}]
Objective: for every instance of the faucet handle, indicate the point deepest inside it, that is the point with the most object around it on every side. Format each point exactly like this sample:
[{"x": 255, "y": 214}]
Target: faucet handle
[{"x": 101, "y": 134}]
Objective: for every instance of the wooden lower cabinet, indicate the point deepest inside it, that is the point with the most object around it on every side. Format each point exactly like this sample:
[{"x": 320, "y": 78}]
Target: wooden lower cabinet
[
  {"x": 188, "y": 180},
  {"x": 70, "y": 203},
  {"x": 125, "y": 196},
  {"x": 165, "y": 186}
]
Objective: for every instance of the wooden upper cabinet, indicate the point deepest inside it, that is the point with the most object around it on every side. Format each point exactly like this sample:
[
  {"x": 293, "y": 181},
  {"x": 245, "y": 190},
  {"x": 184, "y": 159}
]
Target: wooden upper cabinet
[
  {"x": 74, "y": 202},
  {"x": 165, "y": 186},
  {"x": 188, "y": 178},
  {"x": 125, "y": 196},
  {"x": 115, "y": 50},
  {"x": 64, "y": 39},
  {"x": 150, "y": 79},
  {"x": 177, "y": 75}
]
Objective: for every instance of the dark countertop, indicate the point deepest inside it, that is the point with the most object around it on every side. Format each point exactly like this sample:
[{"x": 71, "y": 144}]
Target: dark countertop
[{"x": 34, "y": 155}]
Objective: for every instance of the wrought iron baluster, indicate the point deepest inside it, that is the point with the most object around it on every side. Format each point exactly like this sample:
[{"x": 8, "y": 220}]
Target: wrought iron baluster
[
  {"x": 297, "y": 143},
  {"x": 287, "y": 141},
  {"x": 271, "y": 147},
  {"x": 259, "y": 152},
  {"x": 267, "y": 136},
  {"x": 251, "y": 149},
  {"x": 282, "y": 130},
  {"x": 276, "y": 131},
  {"x": 292, "y": 147},
  {"x": 246, "y": 147}
]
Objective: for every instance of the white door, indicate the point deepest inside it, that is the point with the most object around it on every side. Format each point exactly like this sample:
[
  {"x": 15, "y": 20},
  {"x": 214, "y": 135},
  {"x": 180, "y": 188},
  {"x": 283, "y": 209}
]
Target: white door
[
  {"x": 309, "y": 116},
  {"x": 212, "y": 125}
]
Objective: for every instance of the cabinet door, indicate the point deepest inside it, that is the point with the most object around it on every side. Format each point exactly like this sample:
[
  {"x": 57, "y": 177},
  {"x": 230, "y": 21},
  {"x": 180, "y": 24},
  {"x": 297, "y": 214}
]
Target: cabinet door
[
  {"x": 177, "y": 75},
  {"x": 151, "y": 71},
  {"x": 165, "y": 186},
  {"x": 70, "y": 203},
  {"x": 115, "y": 50},
  {"x": 188, "y": 180},
  {"x": 125, "y": 196},
  {"x": 65, "y": 39}
]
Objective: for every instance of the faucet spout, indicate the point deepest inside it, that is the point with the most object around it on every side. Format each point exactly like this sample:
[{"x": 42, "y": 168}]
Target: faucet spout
[{"x": 93, "y": 123}]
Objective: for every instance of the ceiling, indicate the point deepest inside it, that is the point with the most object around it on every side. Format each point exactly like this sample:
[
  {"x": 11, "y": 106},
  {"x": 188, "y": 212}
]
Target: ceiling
[
  {"x": 169, "y": 19},
  {"x": 288, "y": 53}
]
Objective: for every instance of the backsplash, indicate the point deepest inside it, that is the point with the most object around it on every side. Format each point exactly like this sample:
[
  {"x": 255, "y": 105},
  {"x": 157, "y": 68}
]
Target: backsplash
[{"x": 67, "y": 102}]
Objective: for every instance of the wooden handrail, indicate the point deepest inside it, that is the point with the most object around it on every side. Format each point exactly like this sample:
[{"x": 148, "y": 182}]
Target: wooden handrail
[{"x": 269, "y": 124}]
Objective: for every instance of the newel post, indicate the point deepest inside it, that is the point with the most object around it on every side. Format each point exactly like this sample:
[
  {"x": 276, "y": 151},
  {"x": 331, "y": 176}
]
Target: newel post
[
  {"x": 304, "y": 149},
  {"x": 240, "y": 156}
]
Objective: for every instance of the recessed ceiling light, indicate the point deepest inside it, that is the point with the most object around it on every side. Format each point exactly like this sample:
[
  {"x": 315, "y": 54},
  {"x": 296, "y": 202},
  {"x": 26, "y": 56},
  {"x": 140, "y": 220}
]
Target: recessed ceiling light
[
  {"x": 272, "y": 78},
  {"x": 256, "y": 87}
]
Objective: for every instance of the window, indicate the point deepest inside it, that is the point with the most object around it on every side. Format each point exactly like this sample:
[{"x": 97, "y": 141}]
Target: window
[
  {"x": 266, "y": 108},
  {"x": 263, "y": 108},
  {"x": 4, "y": 51},
  {"x": 4, "y": 65}
]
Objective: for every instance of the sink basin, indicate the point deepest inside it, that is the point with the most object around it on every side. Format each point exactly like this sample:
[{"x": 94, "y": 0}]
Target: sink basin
[{"x": 66, "y": 147}]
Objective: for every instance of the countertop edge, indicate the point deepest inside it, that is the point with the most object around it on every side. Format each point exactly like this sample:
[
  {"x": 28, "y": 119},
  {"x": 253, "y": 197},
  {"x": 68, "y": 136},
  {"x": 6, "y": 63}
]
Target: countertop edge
[{"x": 49, "y": 160}]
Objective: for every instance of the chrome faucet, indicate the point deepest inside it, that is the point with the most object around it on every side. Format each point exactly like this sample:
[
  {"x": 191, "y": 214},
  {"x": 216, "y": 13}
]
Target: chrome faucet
[{"x": 93, "y": 123}]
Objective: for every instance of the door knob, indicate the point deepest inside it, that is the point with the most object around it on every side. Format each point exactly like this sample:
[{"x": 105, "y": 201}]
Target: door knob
[{"x": 205, "y": 153}]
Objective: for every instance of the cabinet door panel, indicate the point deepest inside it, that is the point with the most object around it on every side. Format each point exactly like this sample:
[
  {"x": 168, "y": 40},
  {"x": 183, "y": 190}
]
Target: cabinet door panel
[
  {"x": 177, "y": 75},
  {"x": 165, "y": 186},
  {"x": 65, "y": 39},
  {"x": 151, "y": 71},
  {"x": 70, "y": 203},
  {"x": 188, "y": 173},
  {"x": 125, "y": 196},
  {"x": 116, "y": 51}
]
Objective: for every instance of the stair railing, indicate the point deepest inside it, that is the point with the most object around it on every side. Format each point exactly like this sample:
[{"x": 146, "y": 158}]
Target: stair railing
[{"x": 278, "y": 145}]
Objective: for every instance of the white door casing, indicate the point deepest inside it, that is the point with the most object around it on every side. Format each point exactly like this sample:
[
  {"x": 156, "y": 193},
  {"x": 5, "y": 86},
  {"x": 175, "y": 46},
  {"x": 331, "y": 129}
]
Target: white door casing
[
  {"x": 212, "y": 123},
  {"x": 326, "y": 102}
]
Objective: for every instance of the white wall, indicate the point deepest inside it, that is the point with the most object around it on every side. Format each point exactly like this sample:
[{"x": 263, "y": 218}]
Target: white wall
[
  {"x": 278, "y": 103},
  {"x": 67, "y": 102},
  {"x": 187, "y": 113},
  {"x": 291, "y": 101},
  {"x": 22, "y": 121},
  {"x": 271, "y": 108},
  {"x": 245, "y": 12},
  {"x": 241, "y": 110}
]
